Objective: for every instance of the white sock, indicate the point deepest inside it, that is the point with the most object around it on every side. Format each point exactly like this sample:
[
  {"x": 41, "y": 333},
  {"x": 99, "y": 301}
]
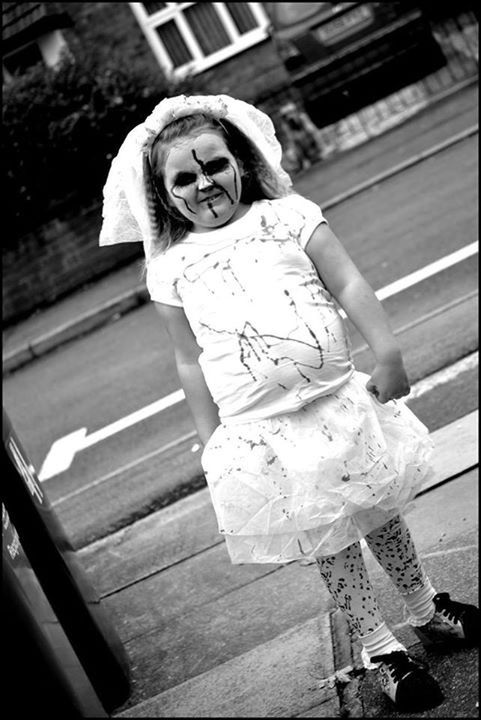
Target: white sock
[
  {"x": 420, "y": 604},
  {"x": 380, "y": 641}
]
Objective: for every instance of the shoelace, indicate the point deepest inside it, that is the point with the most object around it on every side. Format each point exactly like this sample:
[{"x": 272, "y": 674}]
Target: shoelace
[
  {"x": 450, "y": 608},
  {"x": 398, "y": 662}
]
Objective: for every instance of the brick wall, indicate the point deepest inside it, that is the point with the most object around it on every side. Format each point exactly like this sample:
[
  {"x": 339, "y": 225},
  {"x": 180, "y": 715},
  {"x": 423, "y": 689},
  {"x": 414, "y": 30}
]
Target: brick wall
[
  {"x": 58, "y": 258},
  {"x": 248, "y": 74}
]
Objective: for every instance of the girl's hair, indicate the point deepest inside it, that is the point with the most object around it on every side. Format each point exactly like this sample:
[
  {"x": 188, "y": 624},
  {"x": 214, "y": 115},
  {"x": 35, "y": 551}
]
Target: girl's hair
[{"x": 258, "y": 180}]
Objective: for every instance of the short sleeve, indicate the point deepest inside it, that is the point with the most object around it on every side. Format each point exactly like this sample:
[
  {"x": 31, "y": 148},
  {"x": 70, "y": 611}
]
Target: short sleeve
[
  {"x": 310, "y": 216},
  {"x": 161, "y": 281}
]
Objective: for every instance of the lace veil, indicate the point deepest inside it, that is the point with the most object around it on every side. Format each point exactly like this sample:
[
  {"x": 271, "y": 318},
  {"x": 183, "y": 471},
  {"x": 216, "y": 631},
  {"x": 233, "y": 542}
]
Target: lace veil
[{"x": 125, "y": 208}]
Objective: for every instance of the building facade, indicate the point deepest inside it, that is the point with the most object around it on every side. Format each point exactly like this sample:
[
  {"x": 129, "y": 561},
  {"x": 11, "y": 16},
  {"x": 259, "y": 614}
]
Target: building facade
[{"x": 244, "y": 49}]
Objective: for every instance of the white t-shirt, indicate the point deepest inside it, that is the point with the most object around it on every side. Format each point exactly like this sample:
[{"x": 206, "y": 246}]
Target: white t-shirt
[{"x": 271, "y": 336}]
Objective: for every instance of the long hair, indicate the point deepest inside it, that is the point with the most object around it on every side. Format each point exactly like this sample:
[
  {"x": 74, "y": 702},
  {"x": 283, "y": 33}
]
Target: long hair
[{"x": 258, "y": 180}]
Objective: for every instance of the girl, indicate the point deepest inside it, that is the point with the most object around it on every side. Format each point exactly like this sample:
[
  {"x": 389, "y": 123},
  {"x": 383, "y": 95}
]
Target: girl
[{"x": 303, "y": 455}]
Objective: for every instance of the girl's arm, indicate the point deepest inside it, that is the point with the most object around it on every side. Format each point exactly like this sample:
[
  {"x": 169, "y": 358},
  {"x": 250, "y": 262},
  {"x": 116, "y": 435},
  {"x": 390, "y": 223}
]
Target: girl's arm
[
  {"x": 204, "y": 411},
  {"x": 344, "y": 281}
]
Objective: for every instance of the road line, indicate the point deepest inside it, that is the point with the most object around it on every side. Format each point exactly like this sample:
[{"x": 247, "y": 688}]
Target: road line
[
  {"x": 189, "y": 436},
  {"x": 428, "y": 383},
  {"x": 135, "y": 417},
  {"x": 62, "y": 452},
  {"x": 425, "y": 272}
]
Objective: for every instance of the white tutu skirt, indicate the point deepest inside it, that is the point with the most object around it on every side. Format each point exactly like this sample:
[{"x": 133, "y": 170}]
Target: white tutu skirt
[{"x": 309, "y": 483}]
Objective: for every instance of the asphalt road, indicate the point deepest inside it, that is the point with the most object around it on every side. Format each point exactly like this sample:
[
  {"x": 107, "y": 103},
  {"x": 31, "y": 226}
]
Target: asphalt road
[{"x": 392, "y": 230}]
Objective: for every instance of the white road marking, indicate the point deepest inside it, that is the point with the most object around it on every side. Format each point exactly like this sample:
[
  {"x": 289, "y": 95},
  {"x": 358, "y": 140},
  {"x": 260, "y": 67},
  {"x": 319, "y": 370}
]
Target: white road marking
[
  {"x": 135, "y": 417},
  {"x": 427, "y": 271},
  {"x": 128, "y": 466},
  {"x": 62, "y": 452}
]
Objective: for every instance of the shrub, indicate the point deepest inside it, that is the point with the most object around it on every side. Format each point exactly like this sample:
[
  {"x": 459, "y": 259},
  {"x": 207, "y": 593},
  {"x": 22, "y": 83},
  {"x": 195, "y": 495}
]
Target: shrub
[{"x": 63, "y": 125}]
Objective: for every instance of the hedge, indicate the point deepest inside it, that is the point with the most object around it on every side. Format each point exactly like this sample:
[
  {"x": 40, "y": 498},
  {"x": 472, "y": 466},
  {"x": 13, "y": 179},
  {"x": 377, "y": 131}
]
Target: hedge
[{"x": 61, "y": 128}]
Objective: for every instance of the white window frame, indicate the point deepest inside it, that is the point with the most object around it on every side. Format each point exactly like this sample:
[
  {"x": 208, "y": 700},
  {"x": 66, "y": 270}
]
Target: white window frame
[{"x": 199, "y": 62}]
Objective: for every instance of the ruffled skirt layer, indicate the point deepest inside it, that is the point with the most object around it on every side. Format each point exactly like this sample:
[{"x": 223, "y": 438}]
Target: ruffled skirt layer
[{"x": 309, "y": 483}]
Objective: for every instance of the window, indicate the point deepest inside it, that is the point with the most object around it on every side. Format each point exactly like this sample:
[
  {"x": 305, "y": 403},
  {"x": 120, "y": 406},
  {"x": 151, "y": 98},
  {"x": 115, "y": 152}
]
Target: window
[
  {"x": 193, "y": 36},
  {"x": 47, "y": 49},
  {"x": 21, "y": 60}
]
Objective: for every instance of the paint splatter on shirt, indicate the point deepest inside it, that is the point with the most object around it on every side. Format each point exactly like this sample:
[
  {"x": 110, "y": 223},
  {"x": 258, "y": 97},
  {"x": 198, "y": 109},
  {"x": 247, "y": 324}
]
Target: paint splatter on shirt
[{"x": 271, "y": 336}]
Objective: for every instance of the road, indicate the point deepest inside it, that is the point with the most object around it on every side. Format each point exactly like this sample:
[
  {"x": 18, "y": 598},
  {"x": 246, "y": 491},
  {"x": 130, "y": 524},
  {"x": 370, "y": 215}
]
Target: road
[{"x": 407, "y": 222}]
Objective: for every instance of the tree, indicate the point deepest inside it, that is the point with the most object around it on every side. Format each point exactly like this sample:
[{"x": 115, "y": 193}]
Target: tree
[{"x": 63, "y": 125}]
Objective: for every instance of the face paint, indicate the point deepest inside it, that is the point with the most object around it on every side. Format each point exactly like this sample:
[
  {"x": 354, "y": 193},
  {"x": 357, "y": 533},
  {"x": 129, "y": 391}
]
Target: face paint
[
  {"x": 209, "y": 205},
  {"x": 179, "y": 197},
  {"x": 202, "y": 166},
  {"x": 203, "y": 181}
]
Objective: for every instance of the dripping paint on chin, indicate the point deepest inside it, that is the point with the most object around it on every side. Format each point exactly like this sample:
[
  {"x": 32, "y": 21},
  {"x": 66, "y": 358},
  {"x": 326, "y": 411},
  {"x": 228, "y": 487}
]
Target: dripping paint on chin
[
  {"x": 209, "y": 205},
  {"x": 235, "y": 184},
  {"x": 179, "y": 197},
  {"x": 237, "y": 190}
]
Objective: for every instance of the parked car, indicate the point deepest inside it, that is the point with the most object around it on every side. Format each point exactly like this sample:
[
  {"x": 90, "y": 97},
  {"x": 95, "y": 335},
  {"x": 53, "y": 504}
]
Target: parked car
[
  {"x": 344, "y": 56},
  {"x": 62, "y": 655}
]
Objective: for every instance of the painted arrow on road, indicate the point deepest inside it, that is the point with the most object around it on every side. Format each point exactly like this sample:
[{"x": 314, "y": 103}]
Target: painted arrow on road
[{"x": 63, "y": 451}]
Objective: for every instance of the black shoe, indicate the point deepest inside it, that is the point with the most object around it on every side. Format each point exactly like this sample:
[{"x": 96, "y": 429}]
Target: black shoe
[
  {"x": 452, "y": 622},
  {"x": 406, "y": 682}
]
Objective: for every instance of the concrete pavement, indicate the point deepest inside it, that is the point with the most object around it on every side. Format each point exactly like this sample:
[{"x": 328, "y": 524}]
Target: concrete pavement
[
  {"x": 440, "y": 124},
  {"x": 208, "y": 639}
]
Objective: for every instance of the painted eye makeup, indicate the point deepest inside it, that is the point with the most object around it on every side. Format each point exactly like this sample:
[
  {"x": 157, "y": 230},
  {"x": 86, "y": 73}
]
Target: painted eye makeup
[
  {"x": 215, "y": 166},
  {"x": 184, "y": 179},
  {"x": 209, "y": 168}
]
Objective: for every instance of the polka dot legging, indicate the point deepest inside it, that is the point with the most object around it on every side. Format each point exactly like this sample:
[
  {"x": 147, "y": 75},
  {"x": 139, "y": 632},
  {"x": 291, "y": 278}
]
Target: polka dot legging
[{"x": 347, "y": 580}]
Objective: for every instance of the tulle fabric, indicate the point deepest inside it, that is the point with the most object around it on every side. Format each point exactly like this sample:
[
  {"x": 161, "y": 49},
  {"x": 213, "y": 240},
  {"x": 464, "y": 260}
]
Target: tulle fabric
[
  {"x": 309, "y": 483},
  {"x": 125, "y": 211}
]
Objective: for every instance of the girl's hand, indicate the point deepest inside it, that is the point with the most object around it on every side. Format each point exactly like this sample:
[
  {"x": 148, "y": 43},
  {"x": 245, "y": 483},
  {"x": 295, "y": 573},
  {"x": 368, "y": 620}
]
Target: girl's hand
[{"x": 388, "y": 381}]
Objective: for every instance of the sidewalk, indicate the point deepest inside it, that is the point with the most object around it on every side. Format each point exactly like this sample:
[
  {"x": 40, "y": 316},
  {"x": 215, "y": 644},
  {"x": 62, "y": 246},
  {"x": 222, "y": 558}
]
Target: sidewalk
[
  {"x": 208, "y": 639},
  {"x": 328, "y": 183}
]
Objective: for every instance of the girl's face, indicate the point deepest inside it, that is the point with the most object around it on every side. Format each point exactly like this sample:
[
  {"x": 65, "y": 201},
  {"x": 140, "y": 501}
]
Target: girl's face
[{"x": 203, "y": 180}]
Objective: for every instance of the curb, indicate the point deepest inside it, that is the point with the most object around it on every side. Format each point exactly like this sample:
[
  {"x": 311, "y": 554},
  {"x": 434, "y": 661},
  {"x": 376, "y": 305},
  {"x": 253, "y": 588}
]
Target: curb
[
  {"x": 82, "y": 325},
  {"x": 410, "y": 162},
  {"x": 347, "y": 655},
  {"x": 132, "y": 299}
]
